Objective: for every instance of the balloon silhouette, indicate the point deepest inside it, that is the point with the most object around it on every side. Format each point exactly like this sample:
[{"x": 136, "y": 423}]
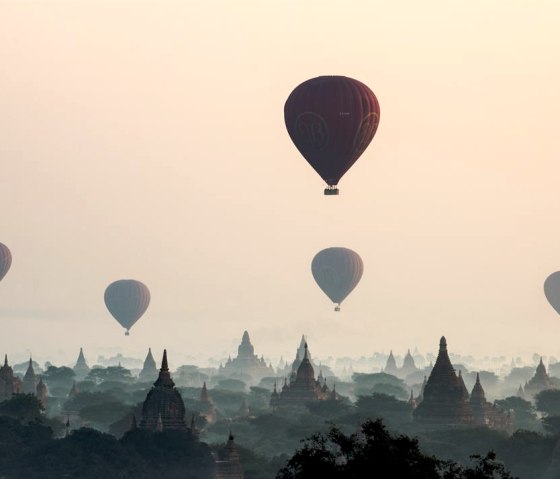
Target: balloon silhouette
[
  {"x": 552, "y": 290},
  {"x": 331, "y": 120},
  {"x": 5, "y": 260},
  {"x": 337, "y": 271},
  {"x": 127, "y": 300}
]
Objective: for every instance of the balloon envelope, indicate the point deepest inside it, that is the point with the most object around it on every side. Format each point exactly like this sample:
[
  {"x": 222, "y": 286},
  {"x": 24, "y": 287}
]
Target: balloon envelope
[
  {"x": 552, "y": 290},
  {"x": 337, "y": 271},
  {"x": 5, "y": 260},
  {"x": 127, "y": 300},
  {"x": 331, "y": 120}
]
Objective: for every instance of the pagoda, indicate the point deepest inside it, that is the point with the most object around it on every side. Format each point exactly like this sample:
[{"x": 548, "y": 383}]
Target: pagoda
[
  {"x": 247, "y": 365},
  {"x": 81, "y": 369},
  {"x": 164, "y": 407},
  {"x": 539, "y": 382},
  {"x": 208, "y": 410},
  {"x": 9, "y": 384},
  {"x": 229, "y": 465},
  {"x": 302, "y": 388},
  {"x": 149, "y": 371},
  {"x": 391, "y": 366},
  {"x": 30, "y": 380},
  {"x": 443, "y": 400},
  {"x": 409, "y": 366}
]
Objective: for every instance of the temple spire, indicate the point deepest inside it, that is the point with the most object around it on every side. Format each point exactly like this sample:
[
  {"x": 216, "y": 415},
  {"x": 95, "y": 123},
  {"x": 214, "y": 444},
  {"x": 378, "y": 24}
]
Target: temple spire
[
  {"x": 164, "y": 366},
  {"x": 164, "y": 378},
  {"x": 5, "y": 360}
]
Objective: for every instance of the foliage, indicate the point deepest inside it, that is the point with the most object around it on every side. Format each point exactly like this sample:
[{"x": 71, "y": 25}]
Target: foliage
[
  {"x": 62, "y": 376},
  {"x": 548, "y": 401},
  {"x": 335, "y": 455},
  {"x": 111, "y": 373},
  {"x": 524, "y": 416},
  {"x": 235, "y": 385},
  {"x": 23, "y": 407}
]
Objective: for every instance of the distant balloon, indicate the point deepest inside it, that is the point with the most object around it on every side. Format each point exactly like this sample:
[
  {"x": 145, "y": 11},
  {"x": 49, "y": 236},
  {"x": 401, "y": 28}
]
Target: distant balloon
[
  {"x": 127, "y": 300},
  {"x": 337, "y": 271},
  {"x": 331, "y": 120},
  {"x": 5, "y": 260},
  {"x": 552, "y": 290}
]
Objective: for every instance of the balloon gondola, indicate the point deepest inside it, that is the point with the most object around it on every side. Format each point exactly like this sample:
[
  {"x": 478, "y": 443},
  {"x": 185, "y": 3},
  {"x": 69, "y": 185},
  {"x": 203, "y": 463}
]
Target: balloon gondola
[{"x": 331, "y": 121}]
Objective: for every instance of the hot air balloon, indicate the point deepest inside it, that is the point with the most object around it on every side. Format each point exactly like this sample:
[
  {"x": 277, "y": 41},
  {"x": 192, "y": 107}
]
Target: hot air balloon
[
  {"x": 552, "y": 290},
  {"x": 5, "y": 260},
  {"x": 337, "y": 271},
  {"x": 127, "y": 300},
  {"x": 331, "y": 120}
]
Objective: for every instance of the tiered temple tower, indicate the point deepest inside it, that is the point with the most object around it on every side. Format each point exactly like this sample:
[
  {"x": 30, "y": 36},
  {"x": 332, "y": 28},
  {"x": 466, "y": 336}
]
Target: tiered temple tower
[
  {"x": 539, "y": 382},
  {"x": 247, "y": 364},
  {"x": 9, "y": 384},
  {"x": 149, "y": 371},
  {"x": 229, "y": 467},
  {"x": 443, "y": 401},
  {"x": 81, "y": 369},
  {"x": 409, "y": 366},
  {"x": 208, "y": 408},
  {"x": 30, "y": 380},
  {"x": 163, "y": 407},
  {"x": 391, "y": 366},
  {"x": 302, "y": 388}
]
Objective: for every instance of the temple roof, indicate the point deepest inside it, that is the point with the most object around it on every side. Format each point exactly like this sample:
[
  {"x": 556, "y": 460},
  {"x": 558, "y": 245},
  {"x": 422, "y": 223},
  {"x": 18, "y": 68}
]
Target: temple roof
[
  {"x": 305, "y": 370},
  {"x": 477, "y": 394},
  {"x": 30, "y": 373},
  {"x": 164, "y": 407}
]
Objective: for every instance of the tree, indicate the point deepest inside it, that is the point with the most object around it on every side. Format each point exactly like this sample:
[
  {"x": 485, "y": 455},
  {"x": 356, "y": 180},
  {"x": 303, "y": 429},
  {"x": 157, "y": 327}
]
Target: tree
[
  {"x": 524, "y": 416},
  {"x": 111, "y": 373},
  {"x": 23, "y": 407},
  {"x": 379, "y": 454},
  {"x": 389, "y": 408},
  {"x": 59, "y": 377},
  {"x": 548, "y": 401}
]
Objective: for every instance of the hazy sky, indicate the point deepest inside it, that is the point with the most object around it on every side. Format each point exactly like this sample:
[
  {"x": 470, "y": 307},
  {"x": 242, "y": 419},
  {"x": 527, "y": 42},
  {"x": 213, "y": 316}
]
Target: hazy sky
[{"x": 146, "y": 140}]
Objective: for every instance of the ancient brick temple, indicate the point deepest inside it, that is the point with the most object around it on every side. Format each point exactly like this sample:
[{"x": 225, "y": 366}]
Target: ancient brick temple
[
  {"x": 149, "y": 371},
  {"x": 443, "y": 398},
  {"x": 302, "y": 387},
  {"x": 446, "y": 402},
  {"x": 229, "y": 465},
  {"x": 30, "y": 380},
  {"x": 539, "y": 382},
  {"x": 81, "y": 369},
  {"x": 164, "y": 407},
  {"x": 247, "y": 365},
  {"x": 9, "y": 384}
]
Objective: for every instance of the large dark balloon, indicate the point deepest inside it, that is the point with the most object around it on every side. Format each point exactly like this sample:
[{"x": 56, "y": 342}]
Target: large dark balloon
[
  {"x": 127, "y": 300},
  {"x": 5, "y": 260},
  {"x": 331, "y": 120},
  {"x": 337, "y": 271},
  {"x": 552, "y": 290}
]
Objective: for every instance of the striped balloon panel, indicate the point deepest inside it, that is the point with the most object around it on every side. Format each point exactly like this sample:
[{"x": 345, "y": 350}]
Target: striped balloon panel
[
  {"x": 337, "y": 271},
  {"x": 127, "y": 300},
  {"x": 5, "y": 260},
  {"x": 331, "y": 120}
]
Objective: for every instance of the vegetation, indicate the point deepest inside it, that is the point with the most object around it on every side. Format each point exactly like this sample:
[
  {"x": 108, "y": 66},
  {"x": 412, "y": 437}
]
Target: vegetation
[{"x": 374, "y": 451}]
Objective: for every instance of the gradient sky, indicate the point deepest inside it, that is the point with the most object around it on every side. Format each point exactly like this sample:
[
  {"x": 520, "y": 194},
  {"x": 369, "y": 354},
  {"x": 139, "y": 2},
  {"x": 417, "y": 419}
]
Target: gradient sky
[{"x": 146, "y": 140}]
